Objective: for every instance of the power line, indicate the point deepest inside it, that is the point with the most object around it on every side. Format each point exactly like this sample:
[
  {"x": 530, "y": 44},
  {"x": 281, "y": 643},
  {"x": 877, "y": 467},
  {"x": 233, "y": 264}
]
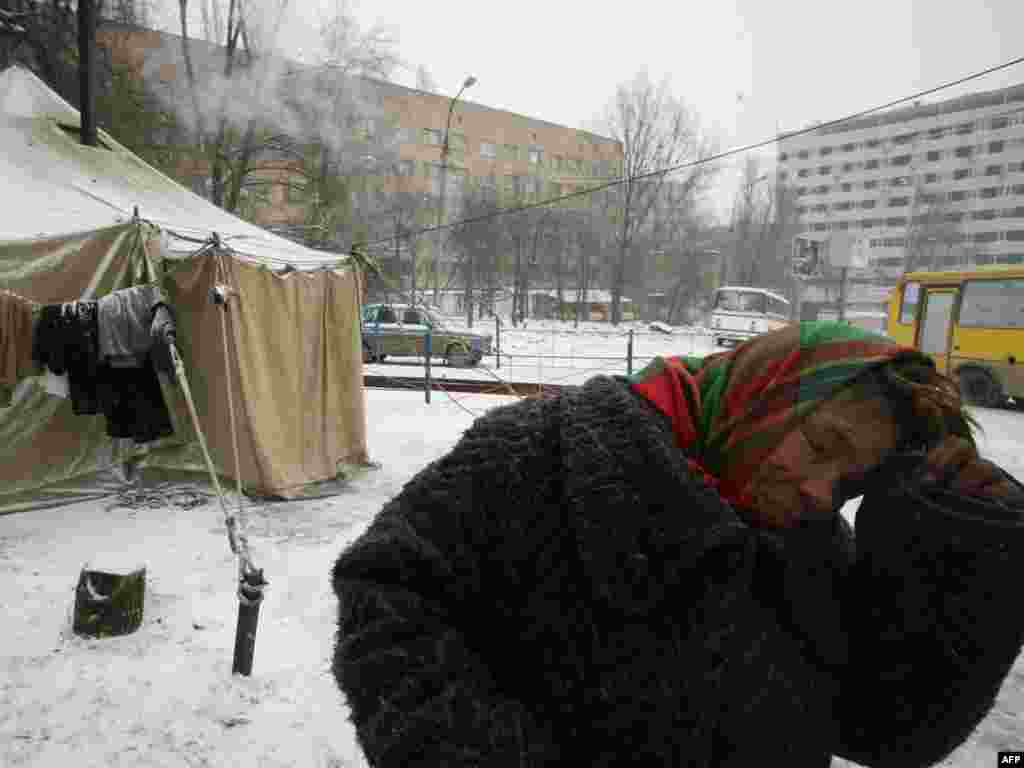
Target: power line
[{"x": 701, "y": 161}]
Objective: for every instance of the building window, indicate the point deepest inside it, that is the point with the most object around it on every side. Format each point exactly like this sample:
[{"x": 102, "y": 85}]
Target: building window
[
  {"x": 986, "y": 215},
  {"x": 933, "y": 156},
  {"x": 899, "y": 181},
  {"x": 993, "y": 170},
  {"x": 803, "y": 173},
  {"x": 801, "y": 210},
  {"x": 847, "y": 167},
  {"x": 783, "y": 157},
  {"x": 803, "y": 191},
  {"x": 405, "y": 167},
  {"x": 931, "y": 178},
  {"x": 783, "y": 175},
  {"x": 847, "y": 187},
  {"x": 843, "y": 206},
  {"x": 536, "y": 155},
  {"x": 964, "y": 128},
  {"x": 825, "y": 170},
  {"x": 822, "y": 189},
  {"x": 961, "y": 173},
  {"x": 1016, "y": 236},
  {"x": 901, "y": 160},
  {"x": 433, "y": 136},
  {"x": 954, "y": 217},
  {"x": 843, "y": 225},
  {"x": 867, "y": 204},
  {"x": 873, "y": 143},
  {"x": 489, "y": 150},
  {"x": 999, "y": 122},
  {"x": 958, "y": 195},
  {"x": 849, "y": 147},
  {"x": 825, "y": 151},
  {"x": 905, "y": 138},
  {"x": 803, "y": 154},
  {"x": 1014, "y": 167},
  {"x": 896, "y": 221},
  {"x": 898, "y": 202},
  {"x": 867, "y": 223},
  {"x": 963, "y": 151},
  {"x": 995, "y": 147},
  {"x": 937, "y": 133},
  {"x": 869, "y": 164},
  {"x": 871, "y": 184},
  {"x": 820, "y": 208},
  {"x": 990, "y": 192},
  {"x": 1017, "y": 189},
  {"x": 1013, "y": 213},
  {"x": 985, "y": 237},
  {"x": 820, "y": 227}
]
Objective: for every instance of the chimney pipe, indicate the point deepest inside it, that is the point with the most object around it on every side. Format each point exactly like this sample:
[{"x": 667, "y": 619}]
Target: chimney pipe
[{"x": 87, "y": 70}]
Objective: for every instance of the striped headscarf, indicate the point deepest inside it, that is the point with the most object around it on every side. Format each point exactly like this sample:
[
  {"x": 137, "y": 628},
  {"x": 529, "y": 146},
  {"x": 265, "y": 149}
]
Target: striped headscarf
[{"x": 730, "y": 410}]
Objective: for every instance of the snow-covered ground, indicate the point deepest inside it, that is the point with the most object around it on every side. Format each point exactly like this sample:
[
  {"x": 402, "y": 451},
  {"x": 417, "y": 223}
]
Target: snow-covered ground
[{"x": 165, "y": 696}]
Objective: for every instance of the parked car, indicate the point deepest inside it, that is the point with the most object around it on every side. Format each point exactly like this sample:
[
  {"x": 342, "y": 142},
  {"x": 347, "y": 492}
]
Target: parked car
[{"x": 400, "y": 330}]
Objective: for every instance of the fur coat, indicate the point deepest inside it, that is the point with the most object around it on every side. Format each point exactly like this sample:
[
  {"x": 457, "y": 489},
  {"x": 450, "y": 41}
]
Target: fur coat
[{"x": 560, "y": 590}]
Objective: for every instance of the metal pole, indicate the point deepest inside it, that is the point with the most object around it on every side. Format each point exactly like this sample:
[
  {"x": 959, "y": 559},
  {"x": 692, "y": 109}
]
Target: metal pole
[
  {"x": 427, "y": 347},
  {"x": 497, "y": 341},
  {"x": 444, "y": 183},
  {"x": 87, "y": 70},
  {"x": 629, "y": 354},
  {"x": 842, "y": 294}
]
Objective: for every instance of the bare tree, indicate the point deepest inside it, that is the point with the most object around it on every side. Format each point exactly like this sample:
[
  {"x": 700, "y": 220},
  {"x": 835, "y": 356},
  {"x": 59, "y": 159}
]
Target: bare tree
[
  {"x": 932, "y": 232},
  {"x": 657, "y": 132}
]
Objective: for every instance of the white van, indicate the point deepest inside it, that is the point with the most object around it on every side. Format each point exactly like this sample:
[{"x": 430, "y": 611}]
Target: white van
[{"x": 742, "y": 312}]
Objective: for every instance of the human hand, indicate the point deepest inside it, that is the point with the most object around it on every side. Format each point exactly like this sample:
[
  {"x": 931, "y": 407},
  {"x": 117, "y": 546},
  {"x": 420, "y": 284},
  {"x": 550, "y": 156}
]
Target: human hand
[{"x": 954, "y": 465}]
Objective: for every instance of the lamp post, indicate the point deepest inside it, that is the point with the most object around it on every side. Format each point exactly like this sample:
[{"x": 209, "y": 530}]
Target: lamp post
[{"x": 469, "y": 81}]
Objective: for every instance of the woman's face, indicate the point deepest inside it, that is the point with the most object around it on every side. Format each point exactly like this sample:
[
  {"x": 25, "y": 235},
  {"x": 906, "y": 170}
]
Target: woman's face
[{"x": 840, "y": 441}]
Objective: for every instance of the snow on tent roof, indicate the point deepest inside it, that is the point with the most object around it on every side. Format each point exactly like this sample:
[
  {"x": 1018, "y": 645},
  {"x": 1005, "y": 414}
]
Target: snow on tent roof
[{"x": 58, "y": 186}]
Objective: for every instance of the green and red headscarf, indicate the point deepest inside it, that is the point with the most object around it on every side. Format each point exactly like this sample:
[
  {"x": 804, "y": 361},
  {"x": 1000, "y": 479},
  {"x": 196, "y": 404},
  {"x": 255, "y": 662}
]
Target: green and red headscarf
[{"x": 730, "y": 410}]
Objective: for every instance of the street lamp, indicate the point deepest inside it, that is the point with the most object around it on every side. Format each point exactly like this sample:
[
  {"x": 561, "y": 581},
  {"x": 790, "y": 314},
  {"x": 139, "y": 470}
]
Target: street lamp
[{"x": 468, "y": 82}]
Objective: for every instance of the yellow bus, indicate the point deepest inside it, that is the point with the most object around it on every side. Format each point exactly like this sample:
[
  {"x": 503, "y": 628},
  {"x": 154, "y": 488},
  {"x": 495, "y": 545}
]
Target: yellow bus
[{"x": 971, "y": 323}]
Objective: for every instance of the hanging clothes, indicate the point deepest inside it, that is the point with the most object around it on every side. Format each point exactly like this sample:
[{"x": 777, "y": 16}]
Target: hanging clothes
[
  {"x": 16, "y": 323},
  {"x": 135, "y": 325},
  {"x": 66, "y": 340},
  {"x": 128, "y": 323}
]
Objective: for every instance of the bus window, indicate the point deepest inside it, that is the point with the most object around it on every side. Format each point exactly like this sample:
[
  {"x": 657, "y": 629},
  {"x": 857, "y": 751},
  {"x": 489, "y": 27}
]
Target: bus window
[
  {"x": 740, "y": 301},
  {"x": 993, "y": 304},
  {"x": 908, "y": 306},
  {"x": 778, "y": 307}
]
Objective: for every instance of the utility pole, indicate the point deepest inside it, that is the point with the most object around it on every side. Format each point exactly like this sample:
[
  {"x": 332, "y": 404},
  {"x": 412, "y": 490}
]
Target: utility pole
[{"x": 469, "y": 81}]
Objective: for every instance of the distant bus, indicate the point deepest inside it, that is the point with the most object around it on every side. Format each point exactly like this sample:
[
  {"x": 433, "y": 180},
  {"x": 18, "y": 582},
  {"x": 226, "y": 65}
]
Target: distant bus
[
  {"x": 971, "y": 323},
  {"x": 742, "y": 312}
]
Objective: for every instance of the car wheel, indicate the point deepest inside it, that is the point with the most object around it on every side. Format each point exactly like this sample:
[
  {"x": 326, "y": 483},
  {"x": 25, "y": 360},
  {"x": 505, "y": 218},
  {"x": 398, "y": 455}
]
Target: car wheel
[
  {"x": 978, "y": 388},
  {"x": 457, "y": 356}
]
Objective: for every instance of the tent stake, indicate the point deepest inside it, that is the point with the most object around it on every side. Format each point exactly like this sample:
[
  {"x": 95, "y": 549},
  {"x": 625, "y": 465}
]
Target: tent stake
[{"x": 250, "y": 580}]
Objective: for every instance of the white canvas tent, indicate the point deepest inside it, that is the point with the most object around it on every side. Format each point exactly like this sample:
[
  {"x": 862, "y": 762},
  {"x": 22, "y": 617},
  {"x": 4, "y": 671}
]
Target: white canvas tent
[{"x": 293, "y": 358}]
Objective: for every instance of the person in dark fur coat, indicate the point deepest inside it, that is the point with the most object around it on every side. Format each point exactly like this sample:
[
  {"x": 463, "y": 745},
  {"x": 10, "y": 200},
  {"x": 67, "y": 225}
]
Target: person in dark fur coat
[{"x": 653, "y": 571}]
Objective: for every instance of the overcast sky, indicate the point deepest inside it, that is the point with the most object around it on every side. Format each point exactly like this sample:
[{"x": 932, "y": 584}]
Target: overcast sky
[{"x": 747, "y": 67}]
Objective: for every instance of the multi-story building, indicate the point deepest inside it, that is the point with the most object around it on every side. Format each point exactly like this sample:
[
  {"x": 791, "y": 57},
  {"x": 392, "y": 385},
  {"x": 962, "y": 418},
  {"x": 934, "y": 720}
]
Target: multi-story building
[
  {"x": 519, "y": 158},
  {"x": 928, "y": 186}
]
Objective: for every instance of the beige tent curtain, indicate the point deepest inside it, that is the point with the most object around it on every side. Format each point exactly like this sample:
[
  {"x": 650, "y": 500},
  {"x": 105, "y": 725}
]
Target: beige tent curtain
[{"x": 296, "y": 370}]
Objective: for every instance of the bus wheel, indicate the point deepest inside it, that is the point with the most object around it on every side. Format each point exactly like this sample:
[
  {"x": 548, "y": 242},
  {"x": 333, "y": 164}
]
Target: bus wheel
[{"x": 978, "y": 388}]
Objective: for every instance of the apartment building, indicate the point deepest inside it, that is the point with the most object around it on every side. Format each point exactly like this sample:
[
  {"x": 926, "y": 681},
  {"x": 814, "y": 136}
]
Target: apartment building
[
  {"x": 518, "y": 158},
  {"x": 942, "y": 183}
]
